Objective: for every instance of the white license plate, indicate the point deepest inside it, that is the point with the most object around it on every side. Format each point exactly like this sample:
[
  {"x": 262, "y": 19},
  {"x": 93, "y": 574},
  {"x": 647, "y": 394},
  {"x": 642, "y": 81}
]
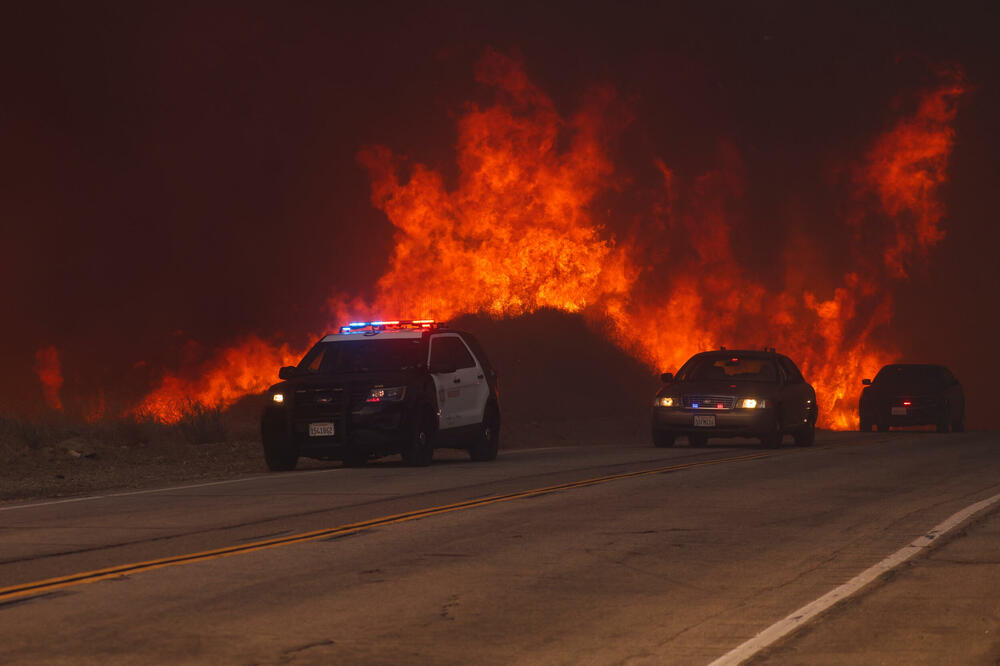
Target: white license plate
[
  {"x": 899, "y": 411},
  {"x": 321, "y": 430},
  {"x": 705, "y": 421}
]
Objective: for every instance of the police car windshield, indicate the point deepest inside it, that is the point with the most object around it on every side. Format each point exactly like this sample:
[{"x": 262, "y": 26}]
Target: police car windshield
[
  {"x": 367, "y": 355},
  {"x": 729, "y": 369}
]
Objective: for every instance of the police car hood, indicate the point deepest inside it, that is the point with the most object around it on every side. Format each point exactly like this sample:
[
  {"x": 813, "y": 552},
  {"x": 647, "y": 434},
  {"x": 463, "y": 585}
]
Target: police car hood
[{"x": 387, "y": 379}]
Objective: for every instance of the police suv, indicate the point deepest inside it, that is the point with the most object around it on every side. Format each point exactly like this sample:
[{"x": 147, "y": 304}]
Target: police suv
[{"x": 380, "y": 388}]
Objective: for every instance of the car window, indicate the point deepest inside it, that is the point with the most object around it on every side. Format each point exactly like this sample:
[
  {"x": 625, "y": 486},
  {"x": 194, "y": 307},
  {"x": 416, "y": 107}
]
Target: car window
[
  {"x": 369, "y": 355},
  {"x": 480, "y": 353},
  {"x": 450, "y": 352},
  {"x": 920, "y": 375},
  {"x": 791, "y": 370},
  {"x": 729, "y": 368}
]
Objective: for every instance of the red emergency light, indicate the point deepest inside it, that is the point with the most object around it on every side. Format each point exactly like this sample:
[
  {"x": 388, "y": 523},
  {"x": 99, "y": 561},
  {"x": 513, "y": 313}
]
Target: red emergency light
[{"x": 393, "y": 325}]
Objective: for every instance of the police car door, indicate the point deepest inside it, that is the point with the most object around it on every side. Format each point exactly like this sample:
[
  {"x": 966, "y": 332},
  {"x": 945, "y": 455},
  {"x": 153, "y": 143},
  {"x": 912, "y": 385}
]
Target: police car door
[{"x": 458, "y": 390}]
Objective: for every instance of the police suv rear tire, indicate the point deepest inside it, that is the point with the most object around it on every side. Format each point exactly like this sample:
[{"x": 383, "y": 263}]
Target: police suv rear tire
[
  {"x": 487, "y": 442},
  {"x": 419, "y": 449}
]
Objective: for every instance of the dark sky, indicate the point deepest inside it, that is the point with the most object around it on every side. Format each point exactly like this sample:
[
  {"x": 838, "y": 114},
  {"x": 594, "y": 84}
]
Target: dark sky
[{"x": 187, "y": 171}]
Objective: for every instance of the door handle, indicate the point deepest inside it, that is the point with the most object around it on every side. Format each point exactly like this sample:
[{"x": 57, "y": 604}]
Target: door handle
[
  {"x": 457, "y": 380},
  {"x": 479, "y": 376}
]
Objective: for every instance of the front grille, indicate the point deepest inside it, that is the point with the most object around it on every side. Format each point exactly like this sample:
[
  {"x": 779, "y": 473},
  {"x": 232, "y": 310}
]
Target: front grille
[
  {"x": 709, "y": 401},
  {"x": 320, "y": 402},
  {"x": 358, "y": 393}
]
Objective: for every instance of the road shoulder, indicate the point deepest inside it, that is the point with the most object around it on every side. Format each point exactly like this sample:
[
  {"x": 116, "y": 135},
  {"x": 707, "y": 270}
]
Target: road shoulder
[{"x": 940, "y": 608}]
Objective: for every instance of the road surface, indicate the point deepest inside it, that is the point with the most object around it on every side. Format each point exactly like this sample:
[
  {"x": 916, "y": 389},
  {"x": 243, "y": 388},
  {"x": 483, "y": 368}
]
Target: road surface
[{"x": 599, "y": 555}]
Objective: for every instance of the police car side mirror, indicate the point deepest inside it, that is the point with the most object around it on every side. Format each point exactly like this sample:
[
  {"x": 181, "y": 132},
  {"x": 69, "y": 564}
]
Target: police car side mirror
[
  {"x": 287, "y": 372},
  {"x": 441, "y": 369},
  {"x": 667, "y": 377},
  {"x": 866, "y": 382}
]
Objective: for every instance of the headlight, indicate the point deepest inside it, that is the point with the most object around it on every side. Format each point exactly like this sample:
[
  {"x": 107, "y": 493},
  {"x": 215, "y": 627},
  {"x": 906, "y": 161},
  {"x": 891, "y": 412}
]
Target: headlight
[
  {"x": 751, "y": 403},
  {"x": 663, "y": 402},
  {"x": 278, "y": 397},
  {"x": 379, "y": 394}
]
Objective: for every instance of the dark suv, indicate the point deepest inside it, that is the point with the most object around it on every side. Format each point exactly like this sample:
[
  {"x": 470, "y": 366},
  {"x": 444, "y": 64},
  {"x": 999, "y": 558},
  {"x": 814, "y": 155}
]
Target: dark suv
[
  {"x": 906, "y": 394},
  {"x": 381, "y": 388},
  {"x": 736, "y": 393}
]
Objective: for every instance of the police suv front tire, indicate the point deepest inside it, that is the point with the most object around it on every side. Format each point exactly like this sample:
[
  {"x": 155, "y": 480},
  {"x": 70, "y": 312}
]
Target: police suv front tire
[
  {"x": 419, "y": 448},
  {"x": 487, "y": 441},
  {"x": 279, "y": 454}
]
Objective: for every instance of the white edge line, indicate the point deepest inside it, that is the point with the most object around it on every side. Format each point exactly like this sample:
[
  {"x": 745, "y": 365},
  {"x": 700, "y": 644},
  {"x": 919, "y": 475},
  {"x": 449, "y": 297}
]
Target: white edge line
[{"x": 838, "y": 594}]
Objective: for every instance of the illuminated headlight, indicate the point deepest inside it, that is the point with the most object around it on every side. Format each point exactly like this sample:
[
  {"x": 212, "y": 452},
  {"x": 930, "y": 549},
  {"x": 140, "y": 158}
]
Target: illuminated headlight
[
  {"x": 380, "y": 394},
  {"x": 751, "y": 403},
  {"x": 663, "y": 402},
  {"x": 278, "y": 397}
]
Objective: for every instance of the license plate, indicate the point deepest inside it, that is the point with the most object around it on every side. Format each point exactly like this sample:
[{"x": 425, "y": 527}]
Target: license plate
[
  {"x": 899, "y": 411},
  {"x": 321, "y": 430},
  {"x": 705, "y": 421}
]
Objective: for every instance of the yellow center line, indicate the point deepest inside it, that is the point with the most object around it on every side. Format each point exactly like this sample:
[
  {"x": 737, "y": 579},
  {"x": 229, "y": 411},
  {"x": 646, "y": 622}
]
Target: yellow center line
[{"x": 52, "y": 584}]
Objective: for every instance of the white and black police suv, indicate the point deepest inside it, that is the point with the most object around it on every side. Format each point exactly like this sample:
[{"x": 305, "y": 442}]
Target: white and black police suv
[{"x": 380, "y": 388}]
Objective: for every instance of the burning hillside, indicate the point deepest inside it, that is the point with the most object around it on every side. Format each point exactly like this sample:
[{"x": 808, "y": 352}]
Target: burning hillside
[{"x": 521, "y": 231}]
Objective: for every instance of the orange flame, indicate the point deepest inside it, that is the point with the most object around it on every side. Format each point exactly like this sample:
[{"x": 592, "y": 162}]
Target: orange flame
[
  {"x": 49, "y": 371},
  {"x": 907, "y": 168},
  {"x": 241, "y": 369},
  {"x": 516, "y": 235},
  {"x": 519, "y": 233}
]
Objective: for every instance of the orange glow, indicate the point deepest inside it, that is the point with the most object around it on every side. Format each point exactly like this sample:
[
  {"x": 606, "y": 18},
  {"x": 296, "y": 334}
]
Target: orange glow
[
  {"x": 49, "y": 371},
  {"x": 249, "y": 366},
  {"x": 907, "y": 168},
  {"x": 519, "y": 232},
  {"x": 96, "y": 409}
]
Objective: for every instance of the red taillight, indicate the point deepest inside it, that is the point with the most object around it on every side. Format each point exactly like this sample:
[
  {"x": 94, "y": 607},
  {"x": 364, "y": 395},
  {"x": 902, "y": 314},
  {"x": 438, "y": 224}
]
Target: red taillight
[{"x": 907, "y": 403}]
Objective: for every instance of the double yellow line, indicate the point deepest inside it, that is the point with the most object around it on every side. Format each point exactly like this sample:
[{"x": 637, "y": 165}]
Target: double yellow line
[{"x": 47, "y": 586}]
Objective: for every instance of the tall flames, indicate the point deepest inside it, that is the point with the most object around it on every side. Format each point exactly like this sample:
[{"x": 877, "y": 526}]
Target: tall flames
[
  {"x": 49, "y": 370},
  {"x": 519, "y": 232}
]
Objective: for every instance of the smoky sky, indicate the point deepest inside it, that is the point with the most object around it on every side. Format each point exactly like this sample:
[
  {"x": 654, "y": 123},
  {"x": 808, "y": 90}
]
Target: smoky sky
[{"x": 175, "y": 175}]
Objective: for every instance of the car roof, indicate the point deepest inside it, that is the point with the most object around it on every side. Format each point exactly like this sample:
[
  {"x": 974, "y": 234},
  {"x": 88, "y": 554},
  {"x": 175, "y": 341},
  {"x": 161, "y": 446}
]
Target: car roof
[{"x": 746, "y": 353}]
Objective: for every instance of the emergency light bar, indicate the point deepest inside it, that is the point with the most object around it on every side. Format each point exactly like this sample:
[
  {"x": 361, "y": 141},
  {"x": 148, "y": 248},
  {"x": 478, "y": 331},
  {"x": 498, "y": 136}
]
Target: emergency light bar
[{"x": 395, "y": 325}]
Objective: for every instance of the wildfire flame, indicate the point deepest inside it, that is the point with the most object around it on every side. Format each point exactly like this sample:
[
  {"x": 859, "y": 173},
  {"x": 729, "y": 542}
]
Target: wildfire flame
[
  {"x": 241, "y": 369},
  {"x": 49, "y": 370},
  {"x": 519, "y": 233}
]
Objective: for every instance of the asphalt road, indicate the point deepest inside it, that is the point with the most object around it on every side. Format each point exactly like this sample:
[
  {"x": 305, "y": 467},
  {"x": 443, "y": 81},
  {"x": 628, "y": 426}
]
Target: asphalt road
[{"x": 600, "y": 555}]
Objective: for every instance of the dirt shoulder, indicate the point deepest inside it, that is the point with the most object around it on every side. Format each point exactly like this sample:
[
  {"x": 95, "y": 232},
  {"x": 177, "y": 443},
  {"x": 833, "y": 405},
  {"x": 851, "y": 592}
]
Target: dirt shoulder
[
  {"x": 84, "y": 460},
  {"x": 941, "y": 608}
]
